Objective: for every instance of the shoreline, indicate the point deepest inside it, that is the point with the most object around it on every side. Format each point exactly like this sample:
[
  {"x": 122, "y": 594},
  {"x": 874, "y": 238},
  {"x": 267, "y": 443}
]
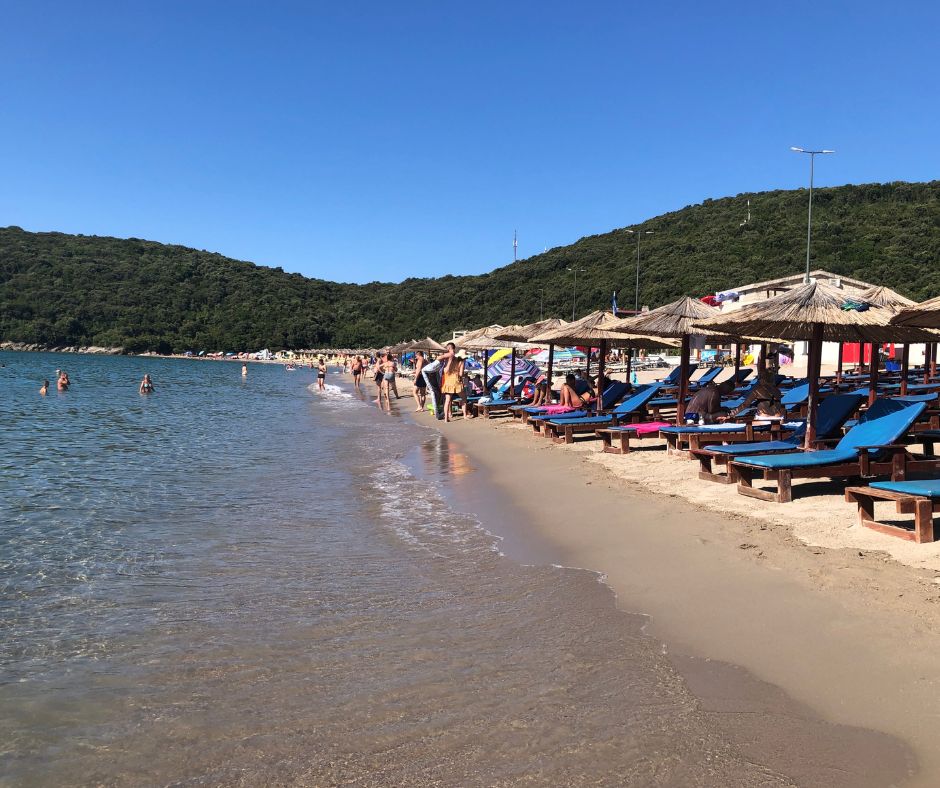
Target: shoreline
[{"x": 850, "y": 634}]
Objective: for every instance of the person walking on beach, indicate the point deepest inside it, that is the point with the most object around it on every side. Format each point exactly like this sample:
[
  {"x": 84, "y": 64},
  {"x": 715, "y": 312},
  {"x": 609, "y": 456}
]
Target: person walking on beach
[
  {"x": 377, "y": 375},
  {"x": 357, "y": 371},
  {"x": 420, "y": 390},
  {"x": 453, "y": 385},
  {"x": 45, "y": 388},
  {"x": 146, "y": 385},
  {"x": 321, "y": 373}
]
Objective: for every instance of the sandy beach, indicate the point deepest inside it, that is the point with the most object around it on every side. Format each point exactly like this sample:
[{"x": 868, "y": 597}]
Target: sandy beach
[{"x": 837, "y": 617}]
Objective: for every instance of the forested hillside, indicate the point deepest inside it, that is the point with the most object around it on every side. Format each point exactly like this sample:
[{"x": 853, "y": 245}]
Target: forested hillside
[{"x": 58, "y": 289}]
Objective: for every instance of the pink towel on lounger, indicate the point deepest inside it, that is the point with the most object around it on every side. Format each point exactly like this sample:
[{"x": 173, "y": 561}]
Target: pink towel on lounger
[
  {"x": 646, "y": 427},
  {"x": 555, "y": 409}
]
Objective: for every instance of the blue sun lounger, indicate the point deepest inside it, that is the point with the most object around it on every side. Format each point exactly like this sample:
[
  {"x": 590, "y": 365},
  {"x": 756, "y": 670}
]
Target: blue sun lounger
[
  {"x": 833, "y": 412},
  {"x": 868, "y": 449},
  {"x": 706, "y": 378},
  {"x": 920, "y": 498},
  {"x": 611, "y": 396},
  {"x": 562, "y": 430}
]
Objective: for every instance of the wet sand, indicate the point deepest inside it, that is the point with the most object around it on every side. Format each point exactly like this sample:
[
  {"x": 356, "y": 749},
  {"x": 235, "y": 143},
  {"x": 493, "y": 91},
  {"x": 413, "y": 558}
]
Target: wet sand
[{"x": 808, "y": 637}]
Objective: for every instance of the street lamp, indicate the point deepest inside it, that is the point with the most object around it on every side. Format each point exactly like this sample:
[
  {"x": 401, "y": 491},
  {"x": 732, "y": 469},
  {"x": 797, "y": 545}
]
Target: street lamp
[
  {"x": 636, "y": 292},
  {"x": 574, "y": 299},
  {"x": 809, "y": 219}
]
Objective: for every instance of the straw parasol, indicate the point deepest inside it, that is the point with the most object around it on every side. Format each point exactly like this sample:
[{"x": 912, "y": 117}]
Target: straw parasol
[
  {"x": 815, "y": 312},
  {"x": 678, "y": 320},
  {"x": 524, "y": 334},
  {"x": 427, "y": 344},
  {"x": 600, "y": 327},
  {"x": 885, "y": 297},
  {"x": 923, "y": 315}
]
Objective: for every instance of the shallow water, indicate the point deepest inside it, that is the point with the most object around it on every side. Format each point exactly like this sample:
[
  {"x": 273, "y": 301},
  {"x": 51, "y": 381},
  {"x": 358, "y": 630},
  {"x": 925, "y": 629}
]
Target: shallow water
[{"x": 250, "y": 582}]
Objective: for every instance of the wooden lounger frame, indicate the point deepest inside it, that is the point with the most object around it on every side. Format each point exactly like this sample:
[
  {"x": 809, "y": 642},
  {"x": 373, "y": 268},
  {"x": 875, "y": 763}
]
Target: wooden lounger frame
[
  {"x": 607, "y": 438},
  {"x": 921, "y": 506}
]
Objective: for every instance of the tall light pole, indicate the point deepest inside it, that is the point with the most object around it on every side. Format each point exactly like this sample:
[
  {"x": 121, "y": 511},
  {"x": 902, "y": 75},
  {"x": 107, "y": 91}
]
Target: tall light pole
[
  {"x": 636, "y": 292},
  {"x": 574, "y": 298},
  {"x": 809, "y": 218}
]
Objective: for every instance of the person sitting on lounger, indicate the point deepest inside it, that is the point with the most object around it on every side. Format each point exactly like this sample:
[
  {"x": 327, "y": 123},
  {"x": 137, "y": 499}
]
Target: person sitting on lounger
[
  {"x": 569, "y": 395},
  {"x": 764, "y": 397},
  {"x": 542, "y": 394},
  {"x": 705, "y": 406}
]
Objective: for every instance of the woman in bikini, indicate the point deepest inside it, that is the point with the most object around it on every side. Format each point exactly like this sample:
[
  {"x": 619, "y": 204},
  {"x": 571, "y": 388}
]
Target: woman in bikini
[
  {"x": 146, "y": 385},
  {"x": 420, "y": 390}
]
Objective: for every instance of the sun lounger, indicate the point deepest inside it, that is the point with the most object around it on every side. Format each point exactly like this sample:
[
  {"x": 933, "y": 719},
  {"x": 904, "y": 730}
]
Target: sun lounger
[
  {"x": 833, "y": 412},
  {"x": 680, "y": 440},
  {"x": 631, "y": 409},
  {"x": 485, "y": 406},
  {"x": 706, "y": 378},
  {"x": 672, "y": 379},
  {"x": 616, "y": 440},
  {"x": 867, "y": 449},
  {"x": 920, "y": 498},
  {"x": 611, "y": 396}
]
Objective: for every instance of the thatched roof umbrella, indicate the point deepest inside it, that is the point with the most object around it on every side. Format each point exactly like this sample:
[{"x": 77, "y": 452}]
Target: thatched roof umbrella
[
  {"x": 677, "y": 320},
  {"x": 525, "y": 334},
  {"x": 814, "y": 312},
  {"x": 923, "y": 315},
  {"x": 886, "y": 298},
  {"x": 600, "y": 327},
  {"x": 427, "y": 344},
  {"x": 486, "y": 339}
]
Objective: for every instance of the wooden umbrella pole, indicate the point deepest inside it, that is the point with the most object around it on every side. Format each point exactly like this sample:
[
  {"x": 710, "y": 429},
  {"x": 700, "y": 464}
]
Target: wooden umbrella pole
[
  {"x": 814, "y": 363},
  {"x": 873, "y": 374},
  {"x": 927, "y": 362},
  {"x": 762, "y": 360},
  {"x": 737, "y": 360},
  {"x": 486, "y": 373},
  {"x": 905, "y": 362},
  {"x": 933, "y": 361},
  {"x": 683, "y": 379},
  {"x": 839, "y": 365},
  {"x": 587, "y": 371},
  {"x": 629, "y": 364},
  {"x": 601, "y": 359},
  {"x": 551, "y": 358},
  {"x": 861, "y": 357}
]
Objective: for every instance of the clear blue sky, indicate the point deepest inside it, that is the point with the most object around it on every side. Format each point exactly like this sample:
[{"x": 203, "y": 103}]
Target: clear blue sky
[{"x": 362, "y": 141}]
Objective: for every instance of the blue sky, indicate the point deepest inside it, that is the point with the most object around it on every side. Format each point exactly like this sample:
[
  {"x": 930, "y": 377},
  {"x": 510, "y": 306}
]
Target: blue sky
[{"x": 375, "y": 141}]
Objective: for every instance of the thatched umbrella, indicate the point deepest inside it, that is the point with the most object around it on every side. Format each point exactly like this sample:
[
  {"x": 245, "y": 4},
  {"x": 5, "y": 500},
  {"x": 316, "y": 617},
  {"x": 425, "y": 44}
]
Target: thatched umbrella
[
  {"x": 525, "y": 333},
  {"x": 677, "y": 320},
  {"x": 886, "y": 298},
  {"x": 486, "y": 339},
  {"x": 814, "y": 312},
  {"x": 427, "y": 344},
  {"x": 600, "y": 327},
  {"x": 923, "y": 315}
]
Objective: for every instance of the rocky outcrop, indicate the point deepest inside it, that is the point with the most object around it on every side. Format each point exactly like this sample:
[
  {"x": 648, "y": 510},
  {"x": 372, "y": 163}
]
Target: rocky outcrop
[{"x": 37, "y": 348}]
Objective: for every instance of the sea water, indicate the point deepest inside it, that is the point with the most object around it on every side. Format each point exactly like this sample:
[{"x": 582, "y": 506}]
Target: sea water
[{"x": 248, "y": 581}]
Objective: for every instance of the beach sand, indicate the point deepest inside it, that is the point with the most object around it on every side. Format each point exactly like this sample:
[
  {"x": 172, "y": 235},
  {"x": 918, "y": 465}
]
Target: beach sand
[{"x": 828, "y": 614}]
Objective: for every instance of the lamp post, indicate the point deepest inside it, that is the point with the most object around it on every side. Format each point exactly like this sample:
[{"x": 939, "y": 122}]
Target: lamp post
[
  {"x": 809, "y": 218},
  {"x": 636, "y": 292},
  {"x": 574, "y": 298}
]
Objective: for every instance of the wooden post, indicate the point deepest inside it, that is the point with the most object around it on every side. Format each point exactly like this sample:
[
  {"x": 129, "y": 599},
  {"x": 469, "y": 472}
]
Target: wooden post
[
  {"x": 551, "y": 358},
  {"x": 762, "y": 358},
  {"x": 512, "y": 374},
  {"x": 927, "y": 362},
  {"x": 587, "y": 372},
  {"x": 683, "y": 379},
  {"x": 905, "y": 362},
  {"x": 486, "y": 373},
  {"x": 737, "y": 361},
  {"x": 839, "y": 365},
  {"x": 812, "y": 372},
  {"x": 861, "y": 357},
  {"x": 873, "y": 374},
  {"x": 933, "y": 361},
  {"x": 601, "y": 360},
  {"x": 629, "y": 364}
]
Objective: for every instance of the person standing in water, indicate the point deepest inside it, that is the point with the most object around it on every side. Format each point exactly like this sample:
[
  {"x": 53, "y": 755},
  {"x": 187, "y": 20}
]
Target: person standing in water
[
  {"x": 321, "y": 373},
  {"x": 357, "y": 371},
  {"x": 146, "y": 385},
  {"x": 420, "y": 390},
  {"x": 63, "y": 383},
  {"x": 45, "y": 388},
  {"x": 244, "y": 370}
]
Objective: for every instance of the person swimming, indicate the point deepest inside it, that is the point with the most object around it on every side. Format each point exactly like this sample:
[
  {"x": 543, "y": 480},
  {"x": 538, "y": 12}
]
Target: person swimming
[
  {"x": 45, "y": 388},
  {"x": 146, "y": 385}
]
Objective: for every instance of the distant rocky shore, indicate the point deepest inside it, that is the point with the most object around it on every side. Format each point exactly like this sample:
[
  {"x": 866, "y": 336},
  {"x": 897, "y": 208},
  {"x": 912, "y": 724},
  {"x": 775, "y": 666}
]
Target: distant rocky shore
[{"x": 28, "y": 346}]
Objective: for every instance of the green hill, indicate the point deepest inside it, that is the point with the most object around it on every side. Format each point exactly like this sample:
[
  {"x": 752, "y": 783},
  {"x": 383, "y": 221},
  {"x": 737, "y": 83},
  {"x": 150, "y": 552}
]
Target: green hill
[{"x": 58, "y": 289}]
